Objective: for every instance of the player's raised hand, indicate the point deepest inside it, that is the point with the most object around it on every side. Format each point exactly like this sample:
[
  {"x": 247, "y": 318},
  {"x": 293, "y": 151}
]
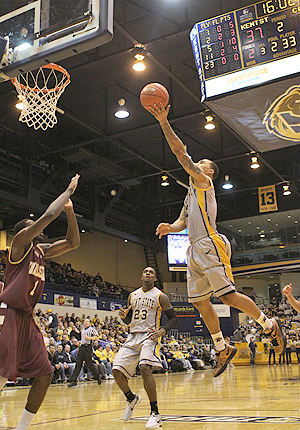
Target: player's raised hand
[
  {"x": 155, "y": 334},
  {"x": 162, "y": 229},
  {"x": 124, "y": 311},
  {"x": 74, "y": 182},
  {"x": 68, "y": 205},
  {"x": 287, "y": 290},
  {"x": 159, "y": 112}
]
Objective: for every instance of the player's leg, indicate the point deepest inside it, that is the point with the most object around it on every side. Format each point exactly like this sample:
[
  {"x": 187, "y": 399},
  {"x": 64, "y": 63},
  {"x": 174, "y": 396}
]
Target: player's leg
[
  {"x": 149, "y": 358},
  {"x": 2, "y": 382},
  {"x": 35, "y": 399},
  {"x": 124, "y": 366},
  {"x": 271, "y": 326}
]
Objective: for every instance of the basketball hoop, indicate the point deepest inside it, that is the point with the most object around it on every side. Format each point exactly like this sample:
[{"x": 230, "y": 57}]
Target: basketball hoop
[{"x": 39, "y": 91}]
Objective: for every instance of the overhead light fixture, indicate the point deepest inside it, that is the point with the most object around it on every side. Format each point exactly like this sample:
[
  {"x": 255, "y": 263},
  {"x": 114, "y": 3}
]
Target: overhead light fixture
[
  {"x": 113, "y": 193},
  {"x": 254, "y": 163},
  {"x": 31, "y": 215},
  {"x": 286, "y": 190},
  {"x": 23, "y": 47},
  {"x": 209, "y": 123},
  {"x": 19, "y": 105},
  {"x": 227, "y": 184},
  {"x": 139, "y": 65},
  {"x": 164, "y": 180},
  {"x": 121, "y": 112}
]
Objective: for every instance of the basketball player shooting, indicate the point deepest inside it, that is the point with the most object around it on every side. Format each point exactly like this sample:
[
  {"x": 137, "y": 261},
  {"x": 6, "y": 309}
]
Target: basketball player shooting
[
  {"x": 208, "y": 257},
  {"x": 142, "y": 345},
  {"x": 22, "y": 349}
]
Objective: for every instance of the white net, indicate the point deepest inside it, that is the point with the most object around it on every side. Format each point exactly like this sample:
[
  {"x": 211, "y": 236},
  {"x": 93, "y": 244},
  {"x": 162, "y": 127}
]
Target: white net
[{"x": 39, "y": 92}]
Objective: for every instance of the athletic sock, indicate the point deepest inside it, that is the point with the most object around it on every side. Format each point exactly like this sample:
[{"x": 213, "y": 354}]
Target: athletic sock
[
  {"x": 218, "y": 341},
  {"x": 154, "y": 407},
  {"x": 25, "y": 420},
  {"x": 130, "y": 396},
  {"x": 264, "y": 321}
]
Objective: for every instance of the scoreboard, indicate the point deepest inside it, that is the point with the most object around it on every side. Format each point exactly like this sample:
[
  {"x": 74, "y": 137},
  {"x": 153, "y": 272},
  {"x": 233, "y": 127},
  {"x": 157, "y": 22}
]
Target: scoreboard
[{"x": 247, "y": 47}]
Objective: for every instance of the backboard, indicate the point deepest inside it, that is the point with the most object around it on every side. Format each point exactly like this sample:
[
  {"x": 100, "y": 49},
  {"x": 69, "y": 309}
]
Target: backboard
[{"x": 46, "y": 31}]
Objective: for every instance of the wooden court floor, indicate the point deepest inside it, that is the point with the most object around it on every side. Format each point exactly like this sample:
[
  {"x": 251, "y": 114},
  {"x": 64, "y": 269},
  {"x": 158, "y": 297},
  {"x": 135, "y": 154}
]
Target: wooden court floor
[{"x": 260, "y": 397}]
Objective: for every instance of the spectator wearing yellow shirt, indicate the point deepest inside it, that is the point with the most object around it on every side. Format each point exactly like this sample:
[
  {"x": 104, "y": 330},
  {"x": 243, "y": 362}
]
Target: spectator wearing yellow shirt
[
  {"x": 178, "y": 355},
  {"x": 60, "y": 330},
  {"x": 102, "y": 358}
]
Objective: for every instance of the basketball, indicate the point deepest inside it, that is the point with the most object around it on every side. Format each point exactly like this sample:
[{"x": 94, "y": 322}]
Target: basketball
[{"x": 153, "y": 94}]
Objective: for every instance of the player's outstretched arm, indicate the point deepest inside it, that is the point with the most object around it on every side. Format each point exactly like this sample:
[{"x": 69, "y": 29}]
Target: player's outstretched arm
[
  {"x": 72, "y": 239},
  {"x": 178, "y": 225},
  {"x": 177, "y": 146},
  {"x": 287, "y": 291},
  {"x": 27, "y": 234}
]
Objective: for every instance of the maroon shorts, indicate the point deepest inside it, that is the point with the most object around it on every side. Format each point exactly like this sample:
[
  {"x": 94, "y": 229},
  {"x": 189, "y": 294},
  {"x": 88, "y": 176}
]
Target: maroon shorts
[{"x": 22, "y": 348}]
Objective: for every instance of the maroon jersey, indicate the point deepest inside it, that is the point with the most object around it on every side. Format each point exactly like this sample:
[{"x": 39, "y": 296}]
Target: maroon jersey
[{"x": 24, "y": 280}]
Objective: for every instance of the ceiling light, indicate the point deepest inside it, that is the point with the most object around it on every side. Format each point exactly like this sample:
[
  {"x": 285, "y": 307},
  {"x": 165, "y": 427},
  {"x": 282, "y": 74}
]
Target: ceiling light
[
  {"x": 125, "y": 240},
  {"x": 23, "y": 47},
  {"x": 113, "y": 193},
  {"x": 286, "y": 190},
  {"x": 269, "y": 219},
  {"x": 254, "y": 163},
  {"x": 82, "y": 231},
  {"x": 121, "y": 112},
  {"x": 139, "y": 64},
  {"x": 227, "y": 184},
  {"x": 19, "y": 105},
  {"x": 209, "y": 123},
  {"x": 164, "y": 181},
  {"x": 31, "y": 215}
]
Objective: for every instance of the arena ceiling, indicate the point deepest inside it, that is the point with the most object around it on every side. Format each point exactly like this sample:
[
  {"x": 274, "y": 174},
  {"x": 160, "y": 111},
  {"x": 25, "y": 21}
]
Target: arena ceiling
[{"x": 130, "y": 155}]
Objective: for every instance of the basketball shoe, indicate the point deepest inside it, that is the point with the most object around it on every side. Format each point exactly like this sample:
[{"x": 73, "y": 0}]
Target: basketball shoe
[
  {"x": 128, "y": 412},
  {"x": 276, "y": 336},
  {"x": 223, "y": 358},
  {"x": 154, "y": 421}
]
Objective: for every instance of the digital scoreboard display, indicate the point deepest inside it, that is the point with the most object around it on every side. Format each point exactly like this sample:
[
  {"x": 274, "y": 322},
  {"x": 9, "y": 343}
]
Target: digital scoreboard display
[{"x": 247, "y": 47}]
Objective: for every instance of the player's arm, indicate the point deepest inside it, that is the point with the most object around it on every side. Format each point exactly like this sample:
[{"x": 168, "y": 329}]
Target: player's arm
[
  {"x": 126, "y": 313},
  {"x": 177, "y": 146},
  {"x": 170, "y": 314},
  {"x": 178, "y": 225},
  {"x": 27, "y": 234},
  {"x": 72, "y": 239},
  {"x": 287, "y": 291}
]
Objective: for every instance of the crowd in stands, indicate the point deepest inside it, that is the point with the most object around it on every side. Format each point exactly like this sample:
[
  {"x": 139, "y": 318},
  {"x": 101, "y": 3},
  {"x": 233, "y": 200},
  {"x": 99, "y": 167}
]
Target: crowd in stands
[
  {"x": 64, "y": 278},
  {"x": 62, "y": 343}
]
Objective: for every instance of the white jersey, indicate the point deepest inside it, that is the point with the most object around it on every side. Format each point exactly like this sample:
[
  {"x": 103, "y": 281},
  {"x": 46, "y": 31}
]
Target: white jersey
[
  {"x": 146, "y": 310},
  {"x": 201, "y": 212}
]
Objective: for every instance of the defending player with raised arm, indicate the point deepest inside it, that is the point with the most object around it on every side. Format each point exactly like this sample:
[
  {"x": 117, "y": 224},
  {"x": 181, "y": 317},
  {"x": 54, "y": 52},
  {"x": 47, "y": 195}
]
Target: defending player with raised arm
[
  {"x": 287, "y": 291},
  {"x": 142, "y": 345},
  {"x": 22, "y": 348},
  {"x": 208, "y": 257}
]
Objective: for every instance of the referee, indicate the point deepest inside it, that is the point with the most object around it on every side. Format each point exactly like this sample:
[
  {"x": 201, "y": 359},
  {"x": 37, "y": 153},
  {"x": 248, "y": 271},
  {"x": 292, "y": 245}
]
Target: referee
[{"x": 85, "y": 352}]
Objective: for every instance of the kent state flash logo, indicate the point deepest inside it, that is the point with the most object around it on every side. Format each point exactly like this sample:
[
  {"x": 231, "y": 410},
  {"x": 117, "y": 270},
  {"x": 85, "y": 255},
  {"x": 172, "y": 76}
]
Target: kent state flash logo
[{"x": 283, "y": 116}]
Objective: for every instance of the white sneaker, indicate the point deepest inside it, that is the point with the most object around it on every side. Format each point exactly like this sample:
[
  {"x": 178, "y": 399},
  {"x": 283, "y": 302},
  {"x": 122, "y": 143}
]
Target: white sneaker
[
  {"x": 130, "y": 406},
  {"x": 154, "y": 421},
  {"x": 110, "y": 377}
]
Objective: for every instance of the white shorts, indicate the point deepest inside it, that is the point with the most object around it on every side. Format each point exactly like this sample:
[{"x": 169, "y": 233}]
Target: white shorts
[
  {"x": 209, "y": 268},
  {"x": 137, "y": 350}
]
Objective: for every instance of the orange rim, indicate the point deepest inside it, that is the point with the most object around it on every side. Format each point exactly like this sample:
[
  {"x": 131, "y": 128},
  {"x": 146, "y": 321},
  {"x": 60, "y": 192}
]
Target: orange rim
[{"x": 46, "y": 90}]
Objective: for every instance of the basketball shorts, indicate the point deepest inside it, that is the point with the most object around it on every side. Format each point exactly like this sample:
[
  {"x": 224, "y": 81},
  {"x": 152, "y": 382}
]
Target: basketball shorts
[
  {"x": 208, "y": 268},
  {"x": 137, "y": 350},
  {"x": 22, "y": 348}
]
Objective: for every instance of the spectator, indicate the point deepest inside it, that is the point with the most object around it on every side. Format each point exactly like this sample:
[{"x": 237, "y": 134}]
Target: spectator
[{"x": 54, "y": 363}]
